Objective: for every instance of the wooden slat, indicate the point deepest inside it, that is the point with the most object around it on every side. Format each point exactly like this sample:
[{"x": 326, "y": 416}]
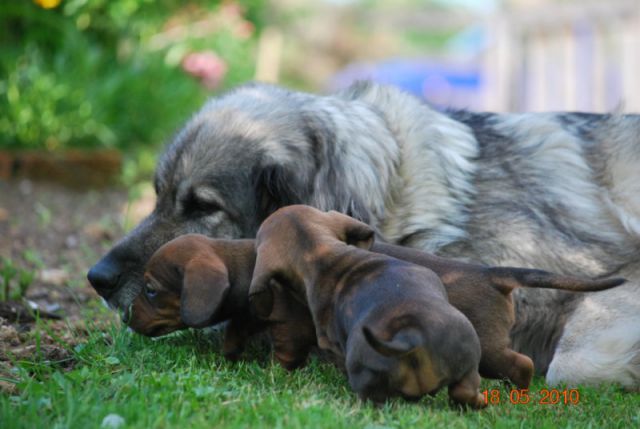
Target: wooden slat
[
  {"x": 630, "y": 62},
  {"x": 571, "y": 75},
  {"x": 543, "y": 41}
]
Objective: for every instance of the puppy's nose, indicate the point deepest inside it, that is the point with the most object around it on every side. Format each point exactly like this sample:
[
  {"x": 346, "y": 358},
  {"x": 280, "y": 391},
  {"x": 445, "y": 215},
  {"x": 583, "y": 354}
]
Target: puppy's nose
[{"x": 104, "y": 276}]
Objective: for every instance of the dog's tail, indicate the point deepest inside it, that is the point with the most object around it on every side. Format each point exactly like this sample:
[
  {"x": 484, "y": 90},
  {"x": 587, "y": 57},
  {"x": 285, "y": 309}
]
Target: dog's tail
[{"x": 505, "y": 279}]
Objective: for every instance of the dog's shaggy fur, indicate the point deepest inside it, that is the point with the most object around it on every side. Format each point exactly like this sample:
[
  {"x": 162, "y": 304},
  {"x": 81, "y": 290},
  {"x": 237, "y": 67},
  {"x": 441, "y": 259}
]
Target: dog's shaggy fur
[{"x": 556, "y": 191}]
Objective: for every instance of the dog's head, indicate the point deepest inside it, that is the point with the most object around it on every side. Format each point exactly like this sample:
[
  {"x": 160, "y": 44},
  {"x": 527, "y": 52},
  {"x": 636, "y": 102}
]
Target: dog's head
[
  {"x": 240, "y": 158},
  {"x": 382, "y": 365},
  {"x": 186, "y": 284},
  {"x": 295, "y": 232}
]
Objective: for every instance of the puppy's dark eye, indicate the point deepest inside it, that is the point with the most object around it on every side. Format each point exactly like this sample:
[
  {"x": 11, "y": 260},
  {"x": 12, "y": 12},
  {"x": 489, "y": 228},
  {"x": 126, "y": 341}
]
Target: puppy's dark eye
[{"x": 149, "y": 291}]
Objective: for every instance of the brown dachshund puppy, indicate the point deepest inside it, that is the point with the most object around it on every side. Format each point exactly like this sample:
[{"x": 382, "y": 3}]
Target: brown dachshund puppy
[
  {"x": 483, "y": 294},
  {"x": 390, "y": 320},
  {"x": 195, "y": 281}
]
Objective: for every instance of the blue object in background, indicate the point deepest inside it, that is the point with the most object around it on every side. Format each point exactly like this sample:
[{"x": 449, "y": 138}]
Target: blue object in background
[{"x": 441, "y": 84}]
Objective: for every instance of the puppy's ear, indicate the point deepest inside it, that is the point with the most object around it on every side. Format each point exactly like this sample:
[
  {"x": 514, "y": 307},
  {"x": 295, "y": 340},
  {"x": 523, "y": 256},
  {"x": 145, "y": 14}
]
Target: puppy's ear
[
  {"x": 403, "y": 342},
  {"x": 205, "y": 286},
  {"x": 352, "y": 231},
  {"x": 260, "y": 291},
  {"x": 269, "y": 268},
  {"x": 261, "y": 299}
]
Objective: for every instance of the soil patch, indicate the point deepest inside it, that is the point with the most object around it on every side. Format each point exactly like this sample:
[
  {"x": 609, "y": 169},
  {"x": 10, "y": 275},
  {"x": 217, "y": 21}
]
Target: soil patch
[{"x": 51, "y": 235}]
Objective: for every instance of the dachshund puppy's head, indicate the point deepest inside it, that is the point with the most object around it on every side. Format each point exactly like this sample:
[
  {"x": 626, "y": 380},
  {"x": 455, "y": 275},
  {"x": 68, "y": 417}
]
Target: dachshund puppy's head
[
  {"x": 186, "y": 283},
  {"x": 295, "y": 233},
  {"x": 380, "y": 368}
]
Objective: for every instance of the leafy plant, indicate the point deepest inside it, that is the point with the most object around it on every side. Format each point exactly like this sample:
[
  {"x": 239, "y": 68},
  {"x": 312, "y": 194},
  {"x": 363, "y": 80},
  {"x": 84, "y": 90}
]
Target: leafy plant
[{"x": 107, "y": 73}]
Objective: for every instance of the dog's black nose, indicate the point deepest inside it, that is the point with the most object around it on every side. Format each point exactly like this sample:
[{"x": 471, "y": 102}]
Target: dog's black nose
[{"x": 104, "y": 277}]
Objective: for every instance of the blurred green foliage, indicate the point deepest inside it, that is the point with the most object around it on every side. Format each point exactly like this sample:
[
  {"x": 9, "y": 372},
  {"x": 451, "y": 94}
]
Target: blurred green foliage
[
  {"x": 14, "y": 280},
  {"x": 106, "y": 73}
]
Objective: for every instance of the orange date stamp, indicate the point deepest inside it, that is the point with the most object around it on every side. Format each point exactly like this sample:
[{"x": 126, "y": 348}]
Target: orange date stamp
[{"x": 524, "y": 396}]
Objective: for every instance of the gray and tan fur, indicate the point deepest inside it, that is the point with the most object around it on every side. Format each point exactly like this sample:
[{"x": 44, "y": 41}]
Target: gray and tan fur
[{"x": 555, "y": 191}]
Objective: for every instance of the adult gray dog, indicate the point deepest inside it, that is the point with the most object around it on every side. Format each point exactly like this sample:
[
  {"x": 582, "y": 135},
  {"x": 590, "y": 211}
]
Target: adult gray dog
[{"x": 556, "y": 191}]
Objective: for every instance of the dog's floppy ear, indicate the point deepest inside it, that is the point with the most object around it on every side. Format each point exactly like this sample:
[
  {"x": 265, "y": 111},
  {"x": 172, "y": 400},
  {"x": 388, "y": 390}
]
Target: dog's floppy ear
[
  {"x": 279, "y": 185},
  {"x": 353, "y": 231},
  {"x": 260, "y": 292},
  {"x": 403, "y": 342},
  {"x": 205, "y": 285},
  {"x": 269, "y": 279},
  {"x": 261, "y": 296}
]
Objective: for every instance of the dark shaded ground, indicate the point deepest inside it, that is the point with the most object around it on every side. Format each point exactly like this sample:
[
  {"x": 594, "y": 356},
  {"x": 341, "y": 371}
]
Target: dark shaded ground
[{"x": 53, "y": 234}]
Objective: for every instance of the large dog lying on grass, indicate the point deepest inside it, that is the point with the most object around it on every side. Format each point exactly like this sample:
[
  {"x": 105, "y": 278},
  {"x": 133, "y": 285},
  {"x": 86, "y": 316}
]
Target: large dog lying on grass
[{"x": 557, "y": 191}]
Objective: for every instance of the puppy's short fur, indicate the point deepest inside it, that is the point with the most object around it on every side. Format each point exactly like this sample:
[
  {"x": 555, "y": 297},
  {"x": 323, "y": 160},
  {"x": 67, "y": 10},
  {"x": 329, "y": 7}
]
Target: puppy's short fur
[
  {"x": 483, "y": 294},
  {"x": 195, "y": 281},
  {"x": 389, "y": 319}
]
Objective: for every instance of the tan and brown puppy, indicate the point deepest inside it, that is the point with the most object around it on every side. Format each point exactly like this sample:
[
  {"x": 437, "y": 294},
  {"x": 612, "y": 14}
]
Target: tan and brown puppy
[
  {"x": 390, "y": 320},
  {"x": 195, "y": 281},
  {"x": 483, "y": 294}
]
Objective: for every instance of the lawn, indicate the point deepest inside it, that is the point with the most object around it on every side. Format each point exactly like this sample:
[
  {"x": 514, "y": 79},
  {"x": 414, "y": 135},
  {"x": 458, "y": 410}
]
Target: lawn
[{"x": 183, "y": 381}]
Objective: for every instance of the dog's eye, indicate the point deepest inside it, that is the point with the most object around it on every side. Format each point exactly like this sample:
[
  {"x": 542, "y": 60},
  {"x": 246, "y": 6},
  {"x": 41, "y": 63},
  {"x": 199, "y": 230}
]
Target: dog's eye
[
  {"x": 149, "y": 291},
  {"x": 199, "y": 207},
  {"x": 206, "y": 206}
]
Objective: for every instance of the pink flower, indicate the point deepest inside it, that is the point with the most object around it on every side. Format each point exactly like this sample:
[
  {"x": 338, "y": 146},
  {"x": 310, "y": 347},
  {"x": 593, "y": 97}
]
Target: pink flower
[
  {"x": 206, "y": 66},
  {"x": 244, "y": 30}
]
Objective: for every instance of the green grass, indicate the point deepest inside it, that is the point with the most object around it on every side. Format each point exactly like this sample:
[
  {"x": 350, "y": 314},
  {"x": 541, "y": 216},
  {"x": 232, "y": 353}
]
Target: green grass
[{"x": 182, "y": 381}]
